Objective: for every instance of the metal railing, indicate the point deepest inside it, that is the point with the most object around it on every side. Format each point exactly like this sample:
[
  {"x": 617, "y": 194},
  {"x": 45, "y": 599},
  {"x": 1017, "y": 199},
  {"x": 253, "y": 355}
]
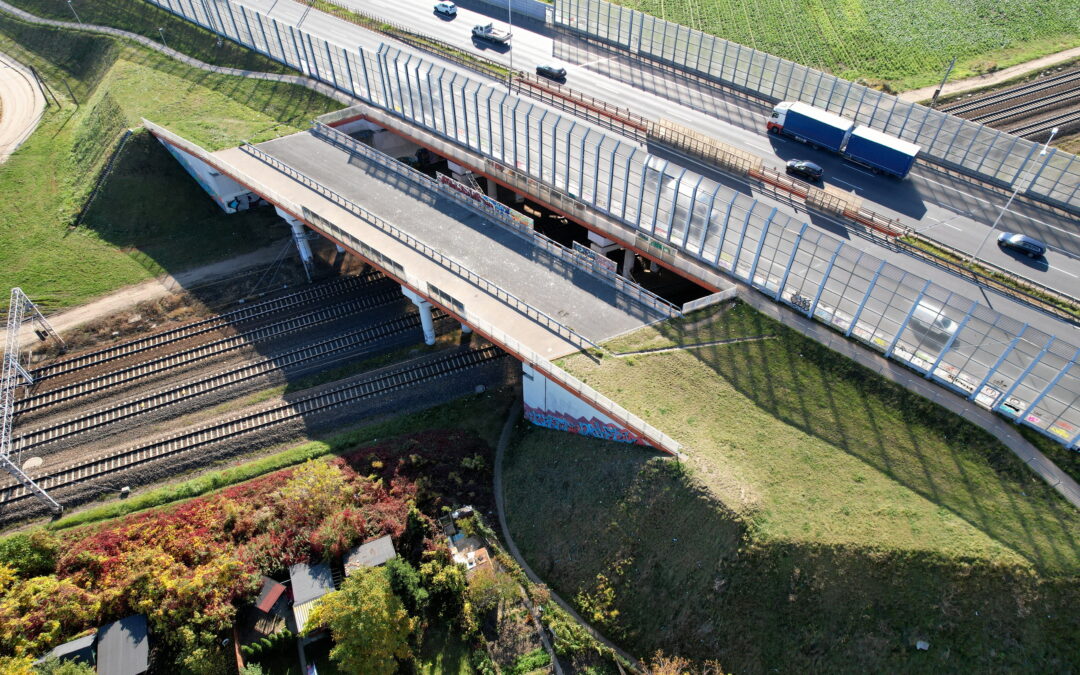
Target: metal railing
[{"x": 537, "y": 239}]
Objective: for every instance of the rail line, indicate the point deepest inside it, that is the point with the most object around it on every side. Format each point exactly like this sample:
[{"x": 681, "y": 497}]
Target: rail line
[
  {"x": 203, "y": 351},
  {"x": 1045, "y": 124},
  {"x": 1012, "y": 94},
  {"x": 1027, "y": 108},
  {"x": 307, "y": 296},
  {"x": 394, "y": 380},
  {"x": 148, "y": 403}
]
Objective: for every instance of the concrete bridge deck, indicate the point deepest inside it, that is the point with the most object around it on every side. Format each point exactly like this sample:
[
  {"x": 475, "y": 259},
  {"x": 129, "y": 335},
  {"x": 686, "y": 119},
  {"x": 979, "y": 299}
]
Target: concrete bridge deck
[{"x": 578, "y": 300}]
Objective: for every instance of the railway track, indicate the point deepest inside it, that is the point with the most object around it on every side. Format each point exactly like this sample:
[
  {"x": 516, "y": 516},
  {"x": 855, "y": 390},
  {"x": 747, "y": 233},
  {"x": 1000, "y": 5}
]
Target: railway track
[
  {"x": 1045, "y": 124},
  {"x": 1032, "y": 91},
  {"x": 307, "y": 296},
  {"x": 148, "y": 403},
  {"x": 128, "y": 458},
  {"x": 215, "y": 348},
  {"x": 1028, "y": 108}
]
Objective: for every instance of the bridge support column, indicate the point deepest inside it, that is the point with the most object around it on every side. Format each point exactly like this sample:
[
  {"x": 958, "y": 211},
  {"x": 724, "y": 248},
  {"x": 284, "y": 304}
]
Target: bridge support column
[
  {"x": 300, "y": 237},
  {"x": 627, "y": 262},
  {"x": 492, "y": 189},
  {"x": 466, "y": 329},
  {"x": 424, "y": 308}
]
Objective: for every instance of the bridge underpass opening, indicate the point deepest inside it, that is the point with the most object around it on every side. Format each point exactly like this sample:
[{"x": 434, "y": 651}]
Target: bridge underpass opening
[{"x": 646, "y": 272}]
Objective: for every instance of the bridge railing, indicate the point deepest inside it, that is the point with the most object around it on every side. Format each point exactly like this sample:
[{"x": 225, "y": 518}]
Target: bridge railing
[
  {"x": 412, "y": 242},
  {"x": 487, "y": 210}
]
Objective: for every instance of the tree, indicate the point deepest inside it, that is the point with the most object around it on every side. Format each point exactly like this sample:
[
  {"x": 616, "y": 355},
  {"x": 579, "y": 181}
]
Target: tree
[
  {"x": 369, "y": 624},
  {"x": 407, "y": 585},
  {"x": 488, "y": 587},
  {"x": 54, "y": 666},
  {"x": 30, "y": 554}
]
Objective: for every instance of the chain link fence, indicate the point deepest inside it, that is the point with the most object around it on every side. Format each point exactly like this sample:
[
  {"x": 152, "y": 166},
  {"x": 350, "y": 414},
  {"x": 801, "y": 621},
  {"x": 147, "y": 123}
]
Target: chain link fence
[
  {"x": 967, "y": 147},
  {"x": 998, "y": 362}
]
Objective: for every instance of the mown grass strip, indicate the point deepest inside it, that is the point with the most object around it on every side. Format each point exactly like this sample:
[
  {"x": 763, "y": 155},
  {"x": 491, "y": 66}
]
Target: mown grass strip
[{"x": 150, "y": 216}]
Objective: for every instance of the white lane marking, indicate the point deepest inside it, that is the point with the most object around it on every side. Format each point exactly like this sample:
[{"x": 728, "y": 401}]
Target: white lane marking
[
  {"x": 865, "y": 173},
  {"x": 593, "y": 63},
  {"x": 987, "y": 201},
  {"x": 844, "y": 182},
  {"x": 1058, "y": 269}
]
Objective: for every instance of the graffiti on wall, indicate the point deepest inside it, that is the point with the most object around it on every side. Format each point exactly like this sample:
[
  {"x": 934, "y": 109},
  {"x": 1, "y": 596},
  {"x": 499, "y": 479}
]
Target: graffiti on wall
[
  {"x": 593, "y": 428},
  {"x": 484, "y": 201}
]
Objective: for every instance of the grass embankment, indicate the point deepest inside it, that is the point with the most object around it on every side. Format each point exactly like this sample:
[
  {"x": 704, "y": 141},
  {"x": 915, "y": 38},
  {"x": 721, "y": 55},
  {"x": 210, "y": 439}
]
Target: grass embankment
[
  {"x": 903, "y": 45},
  {"x": 150, "y": 216},
  {"x": 833, "y": 518},
  {"x": 144, "y": 18}
]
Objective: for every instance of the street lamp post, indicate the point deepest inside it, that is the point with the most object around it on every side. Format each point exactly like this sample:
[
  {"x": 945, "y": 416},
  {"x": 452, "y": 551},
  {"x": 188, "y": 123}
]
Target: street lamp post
[
  {"x": 510, "y": 23},
  {"x": 161, "y": 32},
  {"x": 72, "y": 8},
  {"x": 1019, "y": 183}
]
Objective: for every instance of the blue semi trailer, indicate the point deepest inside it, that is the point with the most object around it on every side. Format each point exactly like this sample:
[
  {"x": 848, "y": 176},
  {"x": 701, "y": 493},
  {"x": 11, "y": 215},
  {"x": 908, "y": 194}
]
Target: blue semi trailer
[{"x": 819, "y": 128}]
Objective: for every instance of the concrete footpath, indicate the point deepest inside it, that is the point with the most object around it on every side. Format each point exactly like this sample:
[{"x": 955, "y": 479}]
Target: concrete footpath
[
  {"x": 300, "y": 80},
  {"x": 21, "y": 105},
  {"x": 152, "y": 289},
  {"x": 912, "y": 381}
]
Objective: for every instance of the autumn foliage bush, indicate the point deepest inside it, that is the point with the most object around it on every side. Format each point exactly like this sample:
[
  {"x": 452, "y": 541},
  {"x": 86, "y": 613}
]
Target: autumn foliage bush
[{"x": 187, "y": 567}]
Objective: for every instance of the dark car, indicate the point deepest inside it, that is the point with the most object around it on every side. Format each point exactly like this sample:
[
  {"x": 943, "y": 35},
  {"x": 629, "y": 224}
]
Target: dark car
[
  {"x": 808, "y": 170},
  {"x": 1022, "y": 243},
  {"x": 553, "y": 72}
]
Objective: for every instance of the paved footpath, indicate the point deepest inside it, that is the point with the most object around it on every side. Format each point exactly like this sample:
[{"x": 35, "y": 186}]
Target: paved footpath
[
  {"x": 21, "y": 105},
  {"x": 324, "y": 89},
  {"x": 990, "y": 79},
  {"x": 1000, "y": 428}
]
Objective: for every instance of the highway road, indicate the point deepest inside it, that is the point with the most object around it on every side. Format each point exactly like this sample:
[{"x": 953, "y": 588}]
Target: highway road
[
  {"x": 1029, "y": 360},
  {"x": 950, "y": 209}
]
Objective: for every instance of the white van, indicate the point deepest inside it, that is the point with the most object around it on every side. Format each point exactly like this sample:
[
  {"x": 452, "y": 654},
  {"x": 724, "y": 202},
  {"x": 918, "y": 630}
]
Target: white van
[{"x": 931, "y": 319}]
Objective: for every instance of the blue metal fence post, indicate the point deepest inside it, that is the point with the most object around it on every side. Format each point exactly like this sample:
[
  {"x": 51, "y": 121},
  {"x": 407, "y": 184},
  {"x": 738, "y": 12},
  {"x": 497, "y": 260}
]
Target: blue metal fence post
[
  {"x": 690, "y": 212},
  {"x": 903, "y": 326},
  {"x": 708, "y": 222},
  {"x": 1034, "y": 362},
  {"x": 951, "y": 340},
  {"x": 675, "y": 194},
  {"x": 742, "y": 239},
  {"x": 866, "y": 297},
  {"x": 1053, "y": 383},
  {"x": 761, "y": 244},
  {"x": 724, "y": 228},
  {"x": 330, "y": 60},
  {"x": 824, "y": 279},
  {"x": 790, "y": 262},
  {"x": 997, "y": 364}
]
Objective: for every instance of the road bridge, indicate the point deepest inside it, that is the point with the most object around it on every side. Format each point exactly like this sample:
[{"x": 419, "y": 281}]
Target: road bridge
[{"x": 530, "y": 296}]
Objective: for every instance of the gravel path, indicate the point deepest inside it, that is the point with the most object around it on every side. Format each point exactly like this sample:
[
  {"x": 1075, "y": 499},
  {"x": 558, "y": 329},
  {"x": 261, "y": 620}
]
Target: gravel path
[
  {"x": 21, "y": 105},
  {"x": 989, "y": 79},
  {"x": 300, "y": 80}
]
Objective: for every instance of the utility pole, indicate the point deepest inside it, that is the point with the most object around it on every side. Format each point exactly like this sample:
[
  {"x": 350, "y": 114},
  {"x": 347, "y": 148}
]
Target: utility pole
[
  {"x": 72, "y": 8},
  {"x": 937, "y": 93},
  {"x": 161, "y": 32}
]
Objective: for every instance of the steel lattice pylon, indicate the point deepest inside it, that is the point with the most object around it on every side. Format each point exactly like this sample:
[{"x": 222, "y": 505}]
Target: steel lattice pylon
[{"x": 14, "y": 375}]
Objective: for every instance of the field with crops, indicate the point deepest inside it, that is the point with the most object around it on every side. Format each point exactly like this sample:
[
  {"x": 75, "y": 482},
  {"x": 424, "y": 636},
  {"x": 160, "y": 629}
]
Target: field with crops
[{"x": 900, "y": 44}]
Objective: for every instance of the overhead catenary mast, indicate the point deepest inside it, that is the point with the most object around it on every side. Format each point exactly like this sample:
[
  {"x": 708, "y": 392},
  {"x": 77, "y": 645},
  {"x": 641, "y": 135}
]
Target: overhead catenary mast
[{"x": 20, "y": 310}]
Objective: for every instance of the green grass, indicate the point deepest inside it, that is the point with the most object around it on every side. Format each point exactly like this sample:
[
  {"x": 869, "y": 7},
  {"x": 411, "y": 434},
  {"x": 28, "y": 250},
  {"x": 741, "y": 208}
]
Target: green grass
[
  {"x": 143, "y": 18},
  {"x": 682, "y": 572},
  {"x": 442, "y": 653},
  {"x": 905, "y": 45},
  {"x": 810, "y": 447},
  {"x": 150, "y": 215}
]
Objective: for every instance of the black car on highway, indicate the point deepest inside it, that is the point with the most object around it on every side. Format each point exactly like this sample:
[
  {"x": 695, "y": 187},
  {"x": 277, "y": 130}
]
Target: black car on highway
[
  {"x": 552, "y": 72},
  {"x": 1021, "y": 242},
  {"x": 805, "y": 169}
]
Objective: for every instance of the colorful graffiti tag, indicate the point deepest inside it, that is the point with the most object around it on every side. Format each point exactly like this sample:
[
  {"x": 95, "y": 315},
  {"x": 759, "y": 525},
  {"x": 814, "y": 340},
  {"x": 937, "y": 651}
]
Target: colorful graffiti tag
[
  {"x": 593, "y": 428},
  {"x": 484, "y": 201}
]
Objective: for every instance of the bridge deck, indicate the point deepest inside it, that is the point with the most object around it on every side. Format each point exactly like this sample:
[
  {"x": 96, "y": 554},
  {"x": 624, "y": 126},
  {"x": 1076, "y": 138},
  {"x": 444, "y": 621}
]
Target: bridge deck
[{"x": 575, "y": 298}]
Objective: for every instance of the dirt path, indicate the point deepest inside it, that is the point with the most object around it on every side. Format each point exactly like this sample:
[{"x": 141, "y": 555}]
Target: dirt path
[
  {"x": 152, "y": 290},
  {"x": 989, "y": 79},
  {"x": 21, "y": 102}
]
